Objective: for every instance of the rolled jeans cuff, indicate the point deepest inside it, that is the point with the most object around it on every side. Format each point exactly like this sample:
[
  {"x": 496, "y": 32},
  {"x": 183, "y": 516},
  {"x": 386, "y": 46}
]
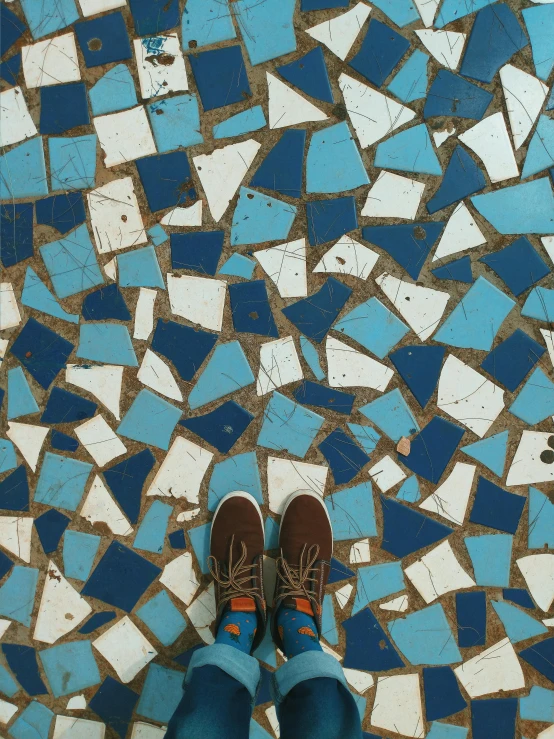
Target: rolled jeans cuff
[
  {"x": 305, "y": 667},
  {"x": 239, "y": 665}
]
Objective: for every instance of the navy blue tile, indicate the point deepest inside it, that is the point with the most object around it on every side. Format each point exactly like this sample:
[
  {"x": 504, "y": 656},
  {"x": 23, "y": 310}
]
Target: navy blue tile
[
  {"x": 281, "y": 169},
  {"x": 10, "y": 69},
  {"x": 177, "y": 539},
  {"x": 166, "y": 179},
  {"x": 381, "y": 50},
  {"x": 471, "y": 617},
  {"x": 2, "y": 393},
  {"x": 323, "y": 4},
  {"x": 184, "y": 346},
  {"x": 120, "y": 578},
  {"x": 309, "y": 74},
  {"x": 313, "y": 316},
  {"x": 114, "y": 704},
  {"x": 96, "y": 621},
  {"x": 63, "y": 442},
  {"x": 264, "y": 692},
  {"x": 513, "y": 359},
  {"x": 50, "y": 527},
  {"x": 344, "y": 456},
  {"x": 367, "y": 645},
  {"x": 221, "y": 427},
  {"x": 105, "y": 303},
  {"x": 455, "y": 97},
  {"x": 459, "y": 270},
  {"x": 495, "y": 37},
  {"x": 339, "y": 572},
  {"x": 5, "y": 564},
  {"x": 462, "y": 178},
  {"x": 63, "y": 107},
  {"x": 494, "y": 718},
  {"x": 64, "y": 211},
  {"x": 22, "y": 661},
  {"x": 496, "y": 507},
  {"x": 406, "y": 530},
  {"x": 103, "y": 40},
  {"x": 251, "y": 310},
  {"x": 312, "y": 393},
  {"x": 441, "y": 692},
  {"x": 419, "y": 367},
  {"x": 220, "y": 76},
  {"x": 14, "y": 491},
  {"x": 184, "y": 658},
  {"x": 41, "y": 351},
  {"x": 16, "y": 233},
  {"x": 520, "y": 596},
  {"x": 518, "y": 265},
  {"x": 541, "y": 657},
  {"x": 330, "y": 219},
  {"x": 408, "y": 244},
  {"x": 432, "y": 449},
  {"x": 198, "y": 251},
  {"x": 154, "y": 16},
  {"x": 64, "y": 406},
  {"x": 126, "y": 480},
  {"x": 12, "y": 28}
]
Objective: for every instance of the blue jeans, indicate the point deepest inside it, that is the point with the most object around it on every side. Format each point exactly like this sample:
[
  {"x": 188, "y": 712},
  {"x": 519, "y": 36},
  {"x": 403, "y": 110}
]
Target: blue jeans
[{"x": 310, "y": 694}]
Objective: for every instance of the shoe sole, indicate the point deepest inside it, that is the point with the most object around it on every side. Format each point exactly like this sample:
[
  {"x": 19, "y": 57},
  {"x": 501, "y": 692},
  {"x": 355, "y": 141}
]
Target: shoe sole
[
  {"x": 239, "y": 494},
  {"x": 319, "y": 498}
]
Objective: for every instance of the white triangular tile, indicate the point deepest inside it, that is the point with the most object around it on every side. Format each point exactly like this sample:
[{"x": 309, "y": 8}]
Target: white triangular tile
[
  {"x": 61, "y": 608},
  {"x": 102, "y": 381},
  {"x": 287, "y": 107},
  {"x": 100, "y": 507},
  {"x": 339, "y": 33},
  {"x": 285, "y": 264},
  {"x": 155, "y": 374},
  {"x": 445, "y": 46},
  {"x": 525, "y": 96},
  {"x": 460, "y": 233},
  {"x": 28, "y": 439}
]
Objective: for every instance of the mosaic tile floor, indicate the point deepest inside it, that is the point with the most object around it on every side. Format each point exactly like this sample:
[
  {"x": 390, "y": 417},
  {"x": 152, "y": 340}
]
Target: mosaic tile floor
[{"x": 371, "y": 184}]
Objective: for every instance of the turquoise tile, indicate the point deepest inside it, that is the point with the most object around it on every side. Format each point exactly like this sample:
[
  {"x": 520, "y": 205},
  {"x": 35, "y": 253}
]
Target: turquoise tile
[
  {"x": 36, "y": 295},
  {"x": 71, "y": 263},
  {"x": 17, "y": 594},
  {"x": 61, "y": 481},
  {"x": 227, "y": 370},
  {"x": 250, "y": 222},
  {"x": 392, "y": 415},
  {"x": 410, "y": 83},
  {"x": 8, "y": 460},
  {"x": 108, "y": 343},
  {"x": 206, "y": 22},
  {"x": 200, "y": 541},
  {"x": 139, "y": 268},
  {"x": 490, "y": 556},
  {"x": 328, "y": 623},
  {"x": 373, "y": 326},
  {"x": 162, "y": 618},
  {"x": 175, "y": 122},
  {"x": 32, "y": 723},
  {"x": 239, "y": 472},
  {"x": 352, "y": 512},
  {"x": 161, "y": 693},
  {"x": 376, "y": 582},
  {"x": 70, "y": 667},
  {"x": 238, "y": 266},
  {"x": 334, "y": 163},
  {"x": 114, "y": 91},
  {"x": 288, "y": 426},
  {"x": 425, "y": 637},
  {"x": 23, "y": 171},
  {"x": 150, "y": 419},
  {"x": 251, "y": 119},
  {"x": 79, "y": 551},
  {"x": 72, "y": 162},
  {"x": 150, "y": 536}
]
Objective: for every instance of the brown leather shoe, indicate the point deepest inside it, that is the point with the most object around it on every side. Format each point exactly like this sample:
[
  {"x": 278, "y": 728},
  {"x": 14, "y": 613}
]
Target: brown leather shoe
[
  {"x": 306, "y": 548},
  {"x": 236, "y": 559}
]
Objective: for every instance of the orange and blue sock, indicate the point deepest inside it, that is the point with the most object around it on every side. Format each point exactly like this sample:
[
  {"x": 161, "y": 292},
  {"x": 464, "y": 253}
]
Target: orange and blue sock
[
  {"x": 237, "y": 629},
  {"x": 298, "y": 632}
]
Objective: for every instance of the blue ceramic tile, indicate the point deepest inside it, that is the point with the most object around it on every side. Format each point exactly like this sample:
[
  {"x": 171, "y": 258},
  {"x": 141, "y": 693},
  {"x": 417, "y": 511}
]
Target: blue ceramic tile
[
  {"x": 447, "y": 731},
  {"x": 32, "y": 723},
  {"x": 154, "y": 16},
  {"x": 239, "y": 472},
  {"x": 251, "y": 223},
  {"x": 198, "y": 251},
  {"x": 105, "y": 303},
  {"x": 177, "y": 539},
  {"x": 16, "y": 230},
  {"x": 14, "y": 491},
  {"x": 517, "y": 624},
  {"x": 50, "y": 527},
  {"x": 376, "y": 582},
  {"x": 222, "y": 427},
  {"x": 250, "y": 309},
  {"x": 541, "y": 521},
  {"x": 61, "y": 481},
  {"x": 111, "y": 31},
  {"x": 267, "y": 28},
  {"x": 373, "y": 326},
  {"x": 238, "y": 266},
  {"x": 200, "y": 541},
  {"x": 452, "y": 95},
  {"x": 311, "y": 393},
  {"x": 392, "y": 415},
  {"x": 126, "y": 480},
  {"x": 380, "y": 52},
  {"x": 333, "y": 163},
  {"x": 63, "y": 107},
  {"x": 410, "y": 83},
  {"x": 494, "y": 718},
  {"x": 227, "y": 370},
  {"x": 366, "y": 436},
  {"x": 406, "y": 531},
  {"x": 345, "y": 458},
  {"x": 220, "y": 76},
  {"x": 71, "y": 263},
  {"x": 433, "y": 448},
  {"x": 471, "y": 618},
  {"x": 184, "y": 346},
  {"x": 518, "y": 595},
  {"x": 10, "y": 69},
  {"x": 518, "y": 265},
  {"x": 150, "y": 536},
  {"x": 520, "y": 209},
  {"x": 21, "y": 401},
  {"x": 70, "y": 667},
  {"x": 309, "y": 74},
  {"x": 452, "y": 10},
  {"x": 459, "y": 270},
  {"x": 539, "y": 22},
  {"x": 63, "y": 406},
  {"x": 166, "y": 180},
  {"x": 401, "y": 12},
  {"x": 540, "y": 152},
  {"x": 309, "y": 352},
  {"x": 108, "y": 343},
  {"x": 491, "y": 452},
  {"x": 271, "y": 539},
  {"x": 36, "y": 295},
  {"x": 307, "y": 5},
  {"x": 175, "y": 122},
  {"x": 490, "y": 556},
  {"x": 5, "y": 564},
  {"x": 339, "y": 572},
  {"x": 157, "y": 235},
  {"x": 49, "y": 16},
  {"x": 535, "y": 400},
  {"x": 13, "y": 28},
  {"x": 22, "y": 661},
  {"x": 162, "y": 618},
  {"x": 408, "y": 244},
  {"x": 462, "y": 177},
  {"x": 251, "y": 119},
  {"x": 328, "y": 623},
  {"x": 419, "y": 367},
  {"x": 352, "y": 512},
  {"x": 288, "y": 426},
  {"x": 441, "y": 693},
  {"x": 8, "y": 460},
  {"x": 96, "y": 621},
  {"x": 79, "y": 551},
  {"x": 281, "y": 169},
  {"x": 513, "y": 359},
  {"x": 62, "y": 212},
  {"x": 314, "y": 315},
  {"x": 539, "y": 304},
  {"x": 150, "y": 419},
  {"x": 113, "y": 92},
  {"x": 72, "y": 162},
  {"x": 330, "y": 219},
  {"x": 206, "y": 22},
  {"x": 541, "y": 656},
  {"x": 409, "y": 491},
  {"x": 8, "y": 686},
  {"x": 496, "y": 508},
  {"x": 266, "y": 651},
  {"x": 23, "y": 173},
  {"x": 367, "y": 645},
  {"x": 63, "y": 442},
  {"x": 114, "y": 704},
  {"x": 161, "y": 693},
  {"x": 410, "y": 150},
  {"x": 140, "y": 268},
  {"x": 424, "y": 637},
  {"x": 538, "y": 705}
]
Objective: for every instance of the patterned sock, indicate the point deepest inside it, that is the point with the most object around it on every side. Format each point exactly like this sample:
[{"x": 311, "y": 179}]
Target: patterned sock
[
  {"x": 237, "y": 629},
  {"x": 298, "y": 632}
]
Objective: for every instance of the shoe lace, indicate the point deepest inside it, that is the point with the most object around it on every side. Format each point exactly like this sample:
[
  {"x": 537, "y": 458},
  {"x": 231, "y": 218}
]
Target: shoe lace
[
  {"x": 293, "y": 579},
  {"x": 234, "y": 580}
]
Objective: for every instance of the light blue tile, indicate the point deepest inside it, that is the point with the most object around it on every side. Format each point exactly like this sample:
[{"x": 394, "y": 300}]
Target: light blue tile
[
  {"x": 401, "y": 12},
  {"x": 538, "y": 705},
  {"x": 251, "y": 119},
  {"x": 267, "y": 28},
  {"x": 79, "y": 551},
  {"x": 200, "y": 541},
  {"x": 410, "y": 83},
  {"x": 266, "y": 651},
  {"x": 160, "y": 696},
  {"x": 539, "y": 304},
  {"x": 251, "y": 224},
  {"x": 73, "y": 162},
  {"x": 490, "y": 556},
  {"x": 21, "y": 400},
  {"x": 409, "y": 151},
  {"x": 139, "y": 268},
  {"x": 239, "y": 266},
  {"x": 309, "y": 352},
  {"x": 33, "y": 723},
  {"x": 48, "y": 16},
  {"x": 62, "y": 481},
  {"x": 114, "y": 91},
  {"x": 475, "y": 321},
  {"x": 71, "y": 263},
  {"x": 150, "y": 536},
  {"x": 8, "y": 460},
  {"x": 527, "y": 208},
  {"x": 157, "y": 235},
  {"x": 162, "y": 618},
  {"x": 70, "y": 667},
  {"x": 446, "y": 731},
  {"x": 535, "y": 400},
  {"x": 540, "y": 27},
  {"x": 517, "y": 624},
  {"x": 361, "y": 704},
  {"x": 8, "y": 686},
  {"x": 490, "y": 452},
  {"x": 452, "y": 10},
  {"x": 376, "y": 582},
  {"x": 541, "y": 521},
  {"x": 227, "y": 371},
  {"x": 271, "y": 539},
  {"x": 540, "y": 152},
  {"x": 392, "y": 415},
  {"x": 23, "y": 171},
  {"x": 17, "y": 594},
  {"x": 175, "y": 122},
  {"x": 36, "y": 295},
  {"x": 257, "y": 732},
  {"x": 207, "y": 22},
  {"x": 334, "y": 163},
  {"x": 150, "y": 419},
  {"x": 239, "y": 472},
  {"x": 373, "y": 326},
  {"x": 352, "y": 512},
  {"x": 366, "y": 436},
  {"x": 425, "y": 638},
  {"x": 288, "y": 426},
  {"x": 108, "y": 343},
  {"x": 409, "y": 490},
  {"x": 328, "y": 623}
]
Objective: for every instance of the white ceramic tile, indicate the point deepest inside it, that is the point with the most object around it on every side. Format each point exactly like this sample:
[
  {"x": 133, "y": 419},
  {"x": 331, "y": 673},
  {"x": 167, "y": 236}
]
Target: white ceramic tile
[
  {"x": 61, "y": 608},
  {"x": 9, "y": 312},
  {"x": 191, "y": 216},
  {"x": 548, "y": 337},
  {"x": 160, "y": 78},
  {"x": 386, "y": 473},
  {"x": 286, "y": 476},
  {"x": 344, "y": 594},
  {"x": 147, "y": 731},
  {"x": 393, "y": 196},
  {"x": 439, "y": 137},
  {"x": 100, "y": 441},
  {"x": 15, "y": 535},
  {"x": 188, "y": 515},
  {"x": 347, "y": 367},
  {"x": 547, "y": 733},
  {"x": 438, "y": 572},
  {"x": 527, "y": 466},
  {"x": 445, "y": 46},
  {"x": 327, "y": 649},
  {"x": 348, "y": 257},
  {"x": 421, "y": 307},
  {"x": 200, "y": 300},
  {"x": 101, "y": 381},
  {"x": 100, "y": 507},
  {"x": 450, "y": 499},
  {"x": 110, "y": 269},
  {"x": 538, "y": 573},
  {"x": 397, "y": 705},
  {"x": 287, "y": 107},
  {"x": 548, "y": 622},
  {"x": 524, "y": 96},
  {"x": 3, "y": 348},
  {"x": 124, "y": 136},
  {"x": 360, "y": 552},
  {"x": 468, "y": 397},
  {"x": 222, "y": 172},
  {"x": 93, "y": 7},
  {"x": 339, "y": 33},
  {"x": 548, "y": 243},
  {"x": 28, "y": 439},
  {"x": 495, "y": 669},
  {"x": 144, "y": 314},
  {"x": 155, "y": 373},
  {"x": 4, "y": 626},
  {"x": 285, "y": 264},
  {"x": 69, "y": 727},
  {"x": 51, "y": 62},
  {"x": 279, "y": 365},
  {"x": 202, "y": 612},
  {"x": 76, "y": 703},
  {"x": 182, "y": 471},
  {"x": 398, "y": 604},
  {"x": 489, "y": 139},
  {"x": 427, "y": 10},
  {"x": 17, "y": 123},
  {"x": 7, "y": 710},
  {"x": 126, "y": 649},
  {"x": 115, "y": 216},
  {"x": 271, "y": 714},
  {"x": 179, "y": 577},
  {"x": 359, "y": 680},
  {"x": 373, "y": 115},
  {"x": 460, "y": 233}
]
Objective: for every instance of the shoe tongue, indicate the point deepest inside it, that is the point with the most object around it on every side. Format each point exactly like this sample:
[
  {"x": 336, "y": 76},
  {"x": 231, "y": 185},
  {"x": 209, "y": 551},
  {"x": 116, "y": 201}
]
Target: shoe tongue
[
  {"x": 298, "y": 604},
  {"x": 243, "y": 604}
]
